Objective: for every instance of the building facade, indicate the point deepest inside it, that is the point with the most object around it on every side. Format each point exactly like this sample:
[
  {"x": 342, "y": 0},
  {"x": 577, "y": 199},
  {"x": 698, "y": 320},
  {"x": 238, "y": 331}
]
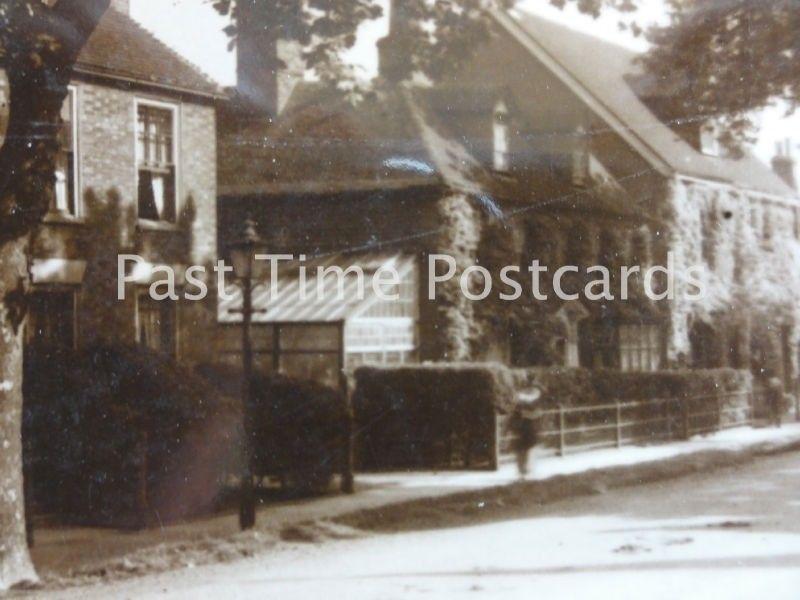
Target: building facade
[
  {"x": 136, "y": 175},
  {"x": 548, "y": 145}
]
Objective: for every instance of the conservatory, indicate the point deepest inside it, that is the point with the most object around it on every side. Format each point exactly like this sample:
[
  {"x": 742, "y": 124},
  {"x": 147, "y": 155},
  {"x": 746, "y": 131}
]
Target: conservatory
[{"x": 325, "y": 315}]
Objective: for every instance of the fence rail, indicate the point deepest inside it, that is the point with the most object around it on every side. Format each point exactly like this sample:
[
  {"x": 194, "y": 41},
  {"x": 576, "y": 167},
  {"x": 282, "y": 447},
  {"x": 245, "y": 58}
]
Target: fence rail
[{"x": 619, "y": 423}]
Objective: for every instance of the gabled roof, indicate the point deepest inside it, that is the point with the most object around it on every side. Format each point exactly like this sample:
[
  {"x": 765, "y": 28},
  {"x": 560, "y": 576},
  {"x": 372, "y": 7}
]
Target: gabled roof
[
  {"x": 120, "y": 48},
  {"x": 600, "y": 72},
  {"x": 399, "y": 138},
  {"x": 322, "y": 142}
]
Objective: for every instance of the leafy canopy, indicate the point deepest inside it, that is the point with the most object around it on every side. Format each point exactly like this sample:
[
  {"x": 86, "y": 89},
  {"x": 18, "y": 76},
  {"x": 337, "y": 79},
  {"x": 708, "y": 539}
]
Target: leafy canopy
[{"x": 722, "y": 58}]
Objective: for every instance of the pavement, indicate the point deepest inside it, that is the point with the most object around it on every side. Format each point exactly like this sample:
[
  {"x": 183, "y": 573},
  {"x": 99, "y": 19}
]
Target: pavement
[
  {"x": 65, "y": 556},
  {"x": 733, "y": 533}
]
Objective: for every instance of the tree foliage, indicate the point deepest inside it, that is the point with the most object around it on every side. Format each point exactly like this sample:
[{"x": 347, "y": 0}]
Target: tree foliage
[
  {"x": 726, "y": 58},
  {"x": 432, "y": 35},
  {"x": 39, "y": 44}
]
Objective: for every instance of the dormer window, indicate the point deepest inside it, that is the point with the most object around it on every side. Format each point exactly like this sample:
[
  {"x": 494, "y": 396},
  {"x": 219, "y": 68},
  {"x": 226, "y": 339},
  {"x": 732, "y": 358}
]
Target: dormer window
[
  {"x": 580, "y": 158},
  {"x": 709, "y": 139},
  {"x": 501, "y": 138}
]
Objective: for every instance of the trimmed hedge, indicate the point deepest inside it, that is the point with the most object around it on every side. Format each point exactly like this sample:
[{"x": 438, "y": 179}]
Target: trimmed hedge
[
  {"x": 443, "y": 415},
  {"x": 124, "y": 436},
  {"x": 300, "y": 431},
  {"x": 572, "y": 387},
  {"x": 429, "y": 416}
]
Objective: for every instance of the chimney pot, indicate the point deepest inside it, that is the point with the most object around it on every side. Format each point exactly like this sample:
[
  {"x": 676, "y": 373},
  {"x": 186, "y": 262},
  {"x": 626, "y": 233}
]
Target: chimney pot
[
  {"x": 123, "y": 6},
  {"x": 783, "y": 163}
]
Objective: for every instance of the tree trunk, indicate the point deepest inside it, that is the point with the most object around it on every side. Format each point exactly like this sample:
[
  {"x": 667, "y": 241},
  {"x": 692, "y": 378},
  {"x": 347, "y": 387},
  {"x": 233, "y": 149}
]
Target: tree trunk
[{"x": 15, "y": 562}]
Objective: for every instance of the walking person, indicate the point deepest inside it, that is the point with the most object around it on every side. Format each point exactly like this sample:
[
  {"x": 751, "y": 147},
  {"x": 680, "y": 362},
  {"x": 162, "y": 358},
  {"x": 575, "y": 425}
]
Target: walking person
[{"x": 524, "y": 425}]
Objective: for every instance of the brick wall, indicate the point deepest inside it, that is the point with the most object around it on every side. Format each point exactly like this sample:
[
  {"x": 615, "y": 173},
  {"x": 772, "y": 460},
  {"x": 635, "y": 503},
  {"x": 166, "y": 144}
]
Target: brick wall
[{"x": 108, "y": 206}]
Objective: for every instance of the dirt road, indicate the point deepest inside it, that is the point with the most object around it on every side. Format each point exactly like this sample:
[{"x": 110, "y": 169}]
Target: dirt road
[{"x": 732, "y": 534}]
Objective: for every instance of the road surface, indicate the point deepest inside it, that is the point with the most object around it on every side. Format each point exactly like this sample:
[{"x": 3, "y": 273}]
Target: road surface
[{"x": 733, "y": 534}]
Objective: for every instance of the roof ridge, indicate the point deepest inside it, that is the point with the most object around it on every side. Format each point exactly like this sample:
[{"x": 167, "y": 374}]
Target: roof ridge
[
  {"x": 525, "y": 14},
  {"x": 600, "y": 80}
]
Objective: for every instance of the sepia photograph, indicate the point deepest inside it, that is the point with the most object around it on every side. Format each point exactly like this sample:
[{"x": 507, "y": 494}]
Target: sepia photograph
[{"x": 388, "y": 299}]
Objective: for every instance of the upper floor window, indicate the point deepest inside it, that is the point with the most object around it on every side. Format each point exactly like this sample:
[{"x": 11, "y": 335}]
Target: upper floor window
[
  {"x": 709, "y": 221},
  {"x": 797, "y": 223},
  {"x": 580, "y": 158},
  {"x": 709, "y": 139},
  {"x": 65, "y": 199},
  {"x": 501, "y": 138},
  {"x": 767, "y": 229},
  {"x": 156, "y": 160}
]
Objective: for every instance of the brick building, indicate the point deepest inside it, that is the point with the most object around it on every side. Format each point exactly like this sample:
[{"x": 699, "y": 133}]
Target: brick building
[
  {"x": 546, "y": 144},
  {"x": 136, "y": 174}
]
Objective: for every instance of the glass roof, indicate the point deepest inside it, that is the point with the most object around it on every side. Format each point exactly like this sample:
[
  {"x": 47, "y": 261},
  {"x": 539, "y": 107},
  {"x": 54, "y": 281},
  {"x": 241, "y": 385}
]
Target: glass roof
[{"x": 319, "y": 298}]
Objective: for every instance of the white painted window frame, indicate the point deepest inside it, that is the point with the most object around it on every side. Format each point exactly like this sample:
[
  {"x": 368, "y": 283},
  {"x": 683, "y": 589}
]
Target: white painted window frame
[
  {"x": 501, "y": 138},
  {"x": 72, "y": 91},
  {"x": 174, "y": 108}
]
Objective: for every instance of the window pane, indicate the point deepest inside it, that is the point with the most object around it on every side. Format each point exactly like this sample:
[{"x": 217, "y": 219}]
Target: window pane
[
  {"x": 154, "y": 151},
  {"x": 64, "y": 197}
]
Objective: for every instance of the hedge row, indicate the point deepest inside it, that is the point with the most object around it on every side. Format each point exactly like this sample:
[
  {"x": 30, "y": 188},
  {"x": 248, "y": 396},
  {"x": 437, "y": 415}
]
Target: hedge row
[
  {"x": 300, "y": 431},
  {"x": 443, "y": 415},
  {"x": 429, "y": 416},
  {"x": 120, "y": 435},
  {"x": 123, "y": 436}
]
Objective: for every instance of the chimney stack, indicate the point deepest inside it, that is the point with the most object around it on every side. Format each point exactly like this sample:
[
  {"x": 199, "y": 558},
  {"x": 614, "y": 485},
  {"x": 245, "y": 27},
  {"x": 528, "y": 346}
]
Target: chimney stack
[
  {"x": 123, "y": 6},
  {"x": 267, "y": 67},
  {"x": 394, "y": 63},
  {"x": 783, "y": 163}
]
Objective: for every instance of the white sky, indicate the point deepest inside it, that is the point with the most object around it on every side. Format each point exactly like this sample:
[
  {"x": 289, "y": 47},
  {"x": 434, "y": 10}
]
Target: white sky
[{"x": 195, "y": 29}]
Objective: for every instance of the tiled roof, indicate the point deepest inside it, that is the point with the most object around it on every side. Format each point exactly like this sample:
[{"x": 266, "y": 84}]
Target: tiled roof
[
  {"x": 121, "y": 48},
  {"x": 322, "y": 141},
  {"x": 605, "y": 71}
]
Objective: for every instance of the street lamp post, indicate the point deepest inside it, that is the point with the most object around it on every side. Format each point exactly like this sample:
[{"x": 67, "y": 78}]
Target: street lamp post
[{"x": 242, "y": 255}]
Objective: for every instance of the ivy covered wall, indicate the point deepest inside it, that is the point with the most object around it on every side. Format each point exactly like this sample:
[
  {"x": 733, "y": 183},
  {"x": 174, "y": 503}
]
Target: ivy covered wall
[{"x": 749, "y": 246}]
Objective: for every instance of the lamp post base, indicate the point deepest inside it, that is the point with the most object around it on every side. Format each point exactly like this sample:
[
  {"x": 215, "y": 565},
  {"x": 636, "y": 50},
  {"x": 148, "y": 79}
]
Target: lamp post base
[{"x": 247, "y": 505}]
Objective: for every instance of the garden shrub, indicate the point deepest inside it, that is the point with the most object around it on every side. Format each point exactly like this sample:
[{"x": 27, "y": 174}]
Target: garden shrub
[
  {"x": 300, "y": 430},
  {"x": 123, "y": 436},
  {"x": 429, "y": 416}
]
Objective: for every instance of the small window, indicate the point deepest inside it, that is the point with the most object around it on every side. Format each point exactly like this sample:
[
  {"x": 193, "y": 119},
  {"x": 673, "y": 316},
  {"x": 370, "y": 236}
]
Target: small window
[
  {"x": 797, "y": 223},
  {"x": 640, "y": 347},
  {"x": 157, "y": 325},
  {"x": 51, "y": 321},
  {"x": 767, "y": 227},
  {"x": 155, "y": 156},
  {"x": 709, "y": 140},
  {"x": 710, "y": 224},
  {"x": 66, "y": 193},
  {"x": 501, "y": 135},
  {"x": 580, "y": 158}
]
